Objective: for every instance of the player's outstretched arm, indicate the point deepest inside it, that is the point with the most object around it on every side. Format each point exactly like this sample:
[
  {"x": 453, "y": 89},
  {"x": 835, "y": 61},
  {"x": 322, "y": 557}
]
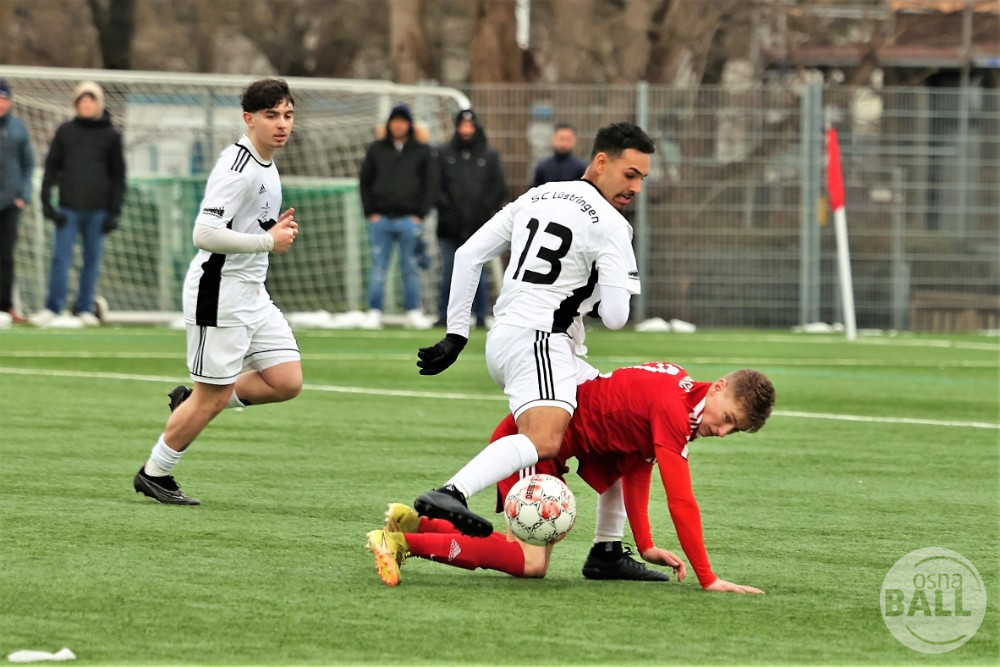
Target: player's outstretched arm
[
  {"x": 658, "y": 556},
  {"x": 723, "y": 586}
]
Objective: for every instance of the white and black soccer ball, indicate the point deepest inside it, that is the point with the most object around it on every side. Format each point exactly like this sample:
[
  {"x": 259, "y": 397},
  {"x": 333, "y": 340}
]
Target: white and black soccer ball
[{"x": 540, "y": 509}]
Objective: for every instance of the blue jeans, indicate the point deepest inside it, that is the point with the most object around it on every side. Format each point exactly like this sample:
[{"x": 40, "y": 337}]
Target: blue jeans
[
  {"x": 90, "y": 225},
  {"x": 384, "y": 233},
  {"x": 481, "y": 304}
]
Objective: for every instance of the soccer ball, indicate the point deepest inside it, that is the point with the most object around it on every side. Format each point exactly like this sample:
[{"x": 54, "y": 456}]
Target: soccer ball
[{"x": 540, "y": 509}]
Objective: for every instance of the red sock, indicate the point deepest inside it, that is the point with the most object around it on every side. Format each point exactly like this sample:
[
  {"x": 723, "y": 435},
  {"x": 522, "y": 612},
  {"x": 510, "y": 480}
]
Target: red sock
[
  {"x": 493, "y": 552},
  {"x": 436, "y": 526}
]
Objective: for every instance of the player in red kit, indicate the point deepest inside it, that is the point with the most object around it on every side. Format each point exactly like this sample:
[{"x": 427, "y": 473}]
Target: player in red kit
[{"x": 626, "y": 422}]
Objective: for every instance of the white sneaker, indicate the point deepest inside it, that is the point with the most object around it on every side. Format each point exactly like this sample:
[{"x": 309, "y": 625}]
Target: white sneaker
[
  {"x": 64, "y": 321},
  {"x": 5, "y": 320},
  {"x": 101, "y": 308},
  {"x": 42, "y": 317},
  {"x": 89, "y": 319},
  {"x": 371, "y": 320},
  {"x": 417, "y": 320}
]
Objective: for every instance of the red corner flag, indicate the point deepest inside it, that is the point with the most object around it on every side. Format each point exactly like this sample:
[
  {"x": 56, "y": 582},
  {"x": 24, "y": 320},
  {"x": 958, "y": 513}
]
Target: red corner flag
[{"x": 834, "y": 177}]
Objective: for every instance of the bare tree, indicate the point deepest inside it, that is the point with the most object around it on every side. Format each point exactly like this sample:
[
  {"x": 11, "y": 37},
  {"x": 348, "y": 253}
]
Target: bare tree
[
  {"x": 680, "y": 34},
  {"x": 115, "y": 23},
  {"x": 494, "y": 55},
  {"x": 412, "y": 59}
]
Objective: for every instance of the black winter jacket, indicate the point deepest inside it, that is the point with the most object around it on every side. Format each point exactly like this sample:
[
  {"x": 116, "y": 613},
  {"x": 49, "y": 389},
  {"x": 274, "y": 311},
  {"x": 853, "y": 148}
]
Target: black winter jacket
[
  {"x": 472, "y": 186},
  {"x": 398, "y": 183},
  {"x": 566, "y": 167},
  {"x": 87, "y": 163}
]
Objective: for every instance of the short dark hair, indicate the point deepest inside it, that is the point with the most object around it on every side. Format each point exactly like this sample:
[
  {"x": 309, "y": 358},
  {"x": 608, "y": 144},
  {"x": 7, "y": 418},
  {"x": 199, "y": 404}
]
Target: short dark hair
[
  {"x": 565, "y": 126},
  {"x": 755, "y": 393},
  {"x": 265, "y": 94},
  {"x": 613, "y": 140}
]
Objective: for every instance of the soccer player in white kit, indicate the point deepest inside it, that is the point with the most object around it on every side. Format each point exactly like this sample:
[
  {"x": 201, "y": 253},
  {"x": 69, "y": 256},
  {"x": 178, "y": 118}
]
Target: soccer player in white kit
[
  {"x": 240, "y": 349},
  {"x": 569, "y": 245}
]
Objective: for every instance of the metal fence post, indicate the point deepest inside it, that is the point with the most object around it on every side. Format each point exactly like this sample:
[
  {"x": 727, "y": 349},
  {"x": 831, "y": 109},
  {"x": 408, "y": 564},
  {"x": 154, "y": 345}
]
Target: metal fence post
[
  {"x": 642, "y": 205},
  {"x": 809, "y": 189}
]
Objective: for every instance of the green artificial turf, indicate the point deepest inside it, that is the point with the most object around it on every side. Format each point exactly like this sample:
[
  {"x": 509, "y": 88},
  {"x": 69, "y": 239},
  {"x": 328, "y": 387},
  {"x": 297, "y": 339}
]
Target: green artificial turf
[{"x": 272, "y": 568}]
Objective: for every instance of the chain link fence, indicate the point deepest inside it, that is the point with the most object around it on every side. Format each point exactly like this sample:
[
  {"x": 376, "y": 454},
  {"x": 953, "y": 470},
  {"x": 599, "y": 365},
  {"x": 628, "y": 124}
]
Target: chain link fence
[
  {"x": 735, "y": 230},
  {"x": 732, "y": 229}
]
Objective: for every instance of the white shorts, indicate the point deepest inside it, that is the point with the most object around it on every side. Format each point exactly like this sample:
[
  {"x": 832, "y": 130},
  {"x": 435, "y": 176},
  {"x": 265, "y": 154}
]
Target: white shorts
[
  {"x": 217, "y": 355},
  {"x": 535, "y": 368}
]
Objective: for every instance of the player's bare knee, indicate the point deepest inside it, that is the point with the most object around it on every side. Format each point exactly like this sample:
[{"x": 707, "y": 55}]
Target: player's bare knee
[
  {"x": 535, "y": 568},
  {"x": 288, "y": 391},
  {"x": 547, "y": 448}
]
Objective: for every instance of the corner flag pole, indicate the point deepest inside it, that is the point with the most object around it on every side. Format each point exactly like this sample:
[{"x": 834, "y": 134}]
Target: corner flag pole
[{"x": 835, "y": 189}]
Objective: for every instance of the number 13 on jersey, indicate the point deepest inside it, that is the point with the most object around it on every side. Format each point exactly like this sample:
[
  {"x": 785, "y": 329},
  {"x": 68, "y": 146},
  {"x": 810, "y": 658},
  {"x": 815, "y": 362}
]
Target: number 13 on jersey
[{"x": 549, "y": 257}]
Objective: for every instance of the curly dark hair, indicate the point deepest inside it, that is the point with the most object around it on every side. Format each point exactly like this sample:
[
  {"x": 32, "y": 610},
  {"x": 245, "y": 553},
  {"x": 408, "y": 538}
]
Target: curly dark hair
[
  {"x": 265, "y": 94},
  {"x": 754, "y": 391},
  {"x": 615, "y": 139}
]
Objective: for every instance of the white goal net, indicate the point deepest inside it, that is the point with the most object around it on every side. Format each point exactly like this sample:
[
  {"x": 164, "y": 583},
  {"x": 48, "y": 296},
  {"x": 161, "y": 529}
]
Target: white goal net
[{"x": 174, "y": 126}]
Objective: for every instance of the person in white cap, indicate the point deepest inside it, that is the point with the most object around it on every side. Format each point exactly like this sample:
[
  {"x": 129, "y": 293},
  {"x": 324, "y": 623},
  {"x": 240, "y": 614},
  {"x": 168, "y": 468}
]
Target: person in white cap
[{"x": 87, "y": 163}]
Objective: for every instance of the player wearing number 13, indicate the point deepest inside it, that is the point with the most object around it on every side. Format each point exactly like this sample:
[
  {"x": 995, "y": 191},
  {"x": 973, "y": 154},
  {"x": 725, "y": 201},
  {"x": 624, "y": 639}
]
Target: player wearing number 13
[{"x": 571, "y": 253}]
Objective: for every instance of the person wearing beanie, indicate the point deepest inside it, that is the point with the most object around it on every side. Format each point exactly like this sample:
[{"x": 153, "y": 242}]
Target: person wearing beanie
[
  {"x": 562, "y": 165},
  {"x": 398, "y": 182},
  {"x": 86, "y": 162},
  {"x": 472, "y": 190},
  {"x": 17, "y": 162}
]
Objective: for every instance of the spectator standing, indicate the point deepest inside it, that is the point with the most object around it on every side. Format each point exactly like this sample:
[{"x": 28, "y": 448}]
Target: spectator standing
[
  {"x": 87, "y": 164},
  {"x": 398, "y": 183},
  {"x": 472, "y": 190},
  {"x": 562, "y": 165},
  {"x": 17, "y": 161}
]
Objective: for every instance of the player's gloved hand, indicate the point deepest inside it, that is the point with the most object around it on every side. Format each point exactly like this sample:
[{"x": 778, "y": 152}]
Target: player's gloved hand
[{"x": 441, "y": 355}]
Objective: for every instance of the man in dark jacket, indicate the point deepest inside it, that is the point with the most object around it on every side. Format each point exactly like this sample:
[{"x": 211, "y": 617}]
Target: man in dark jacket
[
  {"x": 398, "y": 185},
  {"x": 563, "y": 165},
  {"x": 472, "y": 190},
  {"x": 16, "y": 164},
  {"x": 87, "y": 163}
]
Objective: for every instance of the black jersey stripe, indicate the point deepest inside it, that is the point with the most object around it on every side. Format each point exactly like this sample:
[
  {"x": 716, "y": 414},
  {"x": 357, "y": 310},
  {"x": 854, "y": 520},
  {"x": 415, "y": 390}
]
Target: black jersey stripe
[
  {"x": 543, "y": 366},
  {"x": 563, "y": 316}
]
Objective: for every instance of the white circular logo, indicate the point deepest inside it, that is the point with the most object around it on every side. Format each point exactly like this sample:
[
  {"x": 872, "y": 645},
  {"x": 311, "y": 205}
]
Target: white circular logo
[{"x": 933, "y": 600}]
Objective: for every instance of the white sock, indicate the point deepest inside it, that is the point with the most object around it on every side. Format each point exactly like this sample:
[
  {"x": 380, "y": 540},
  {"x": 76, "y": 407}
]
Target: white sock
[
  {"x": 162, "y": 459},
  {"x": 610, "y": 526},
  {"x": 498, "y": 461},
  {"x": 234, "y": 401}
]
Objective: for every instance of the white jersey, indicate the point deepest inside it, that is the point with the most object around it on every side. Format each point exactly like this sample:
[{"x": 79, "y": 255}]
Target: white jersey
[
  {"x": 565, "y": 238},
  {"x": 243, "y": 194}
]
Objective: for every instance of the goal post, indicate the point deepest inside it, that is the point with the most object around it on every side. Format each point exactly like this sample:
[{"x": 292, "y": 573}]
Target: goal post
[{"x": 174, "y": 125}]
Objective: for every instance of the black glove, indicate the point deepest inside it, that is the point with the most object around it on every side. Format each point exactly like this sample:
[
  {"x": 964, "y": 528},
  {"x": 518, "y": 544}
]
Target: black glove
[
  {"x": 53, "y": 214},
  {"x": 441, "y": 355},
  {"x": 110, "y": 223}
]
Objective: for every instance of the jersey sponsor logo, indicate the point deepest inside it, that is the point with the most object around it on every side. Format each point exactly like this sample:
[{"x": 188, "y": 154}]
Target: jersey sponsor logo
[
  {"x": 634, "y": 275},
  {"x": 214, "y": 211},
  {"x": 267, "y": 224}
]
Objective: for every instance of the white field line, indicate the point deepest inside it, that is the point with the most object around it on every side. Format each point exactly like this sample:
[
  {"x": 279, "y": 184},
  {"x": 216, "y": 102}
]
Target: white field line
[
  {"x": 437, "y": 395},
  {"x": 715, "y": 335},
  {"x": 742, "y": 362}
]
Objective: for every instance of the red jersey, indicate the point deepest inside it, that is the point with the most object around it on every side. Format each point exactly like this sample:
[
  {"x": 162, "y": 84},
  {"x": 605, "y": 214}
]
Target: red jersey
[{"x": 624, "y": 422}]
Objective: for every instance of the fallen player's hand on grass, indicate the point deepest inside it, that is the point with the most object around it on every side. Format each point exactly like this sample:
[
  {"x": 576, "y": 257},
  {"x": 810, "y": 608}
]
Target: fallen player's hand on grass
[
  {"x": 723, "y": 586},
  {"x": 658, "y": 556}
]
